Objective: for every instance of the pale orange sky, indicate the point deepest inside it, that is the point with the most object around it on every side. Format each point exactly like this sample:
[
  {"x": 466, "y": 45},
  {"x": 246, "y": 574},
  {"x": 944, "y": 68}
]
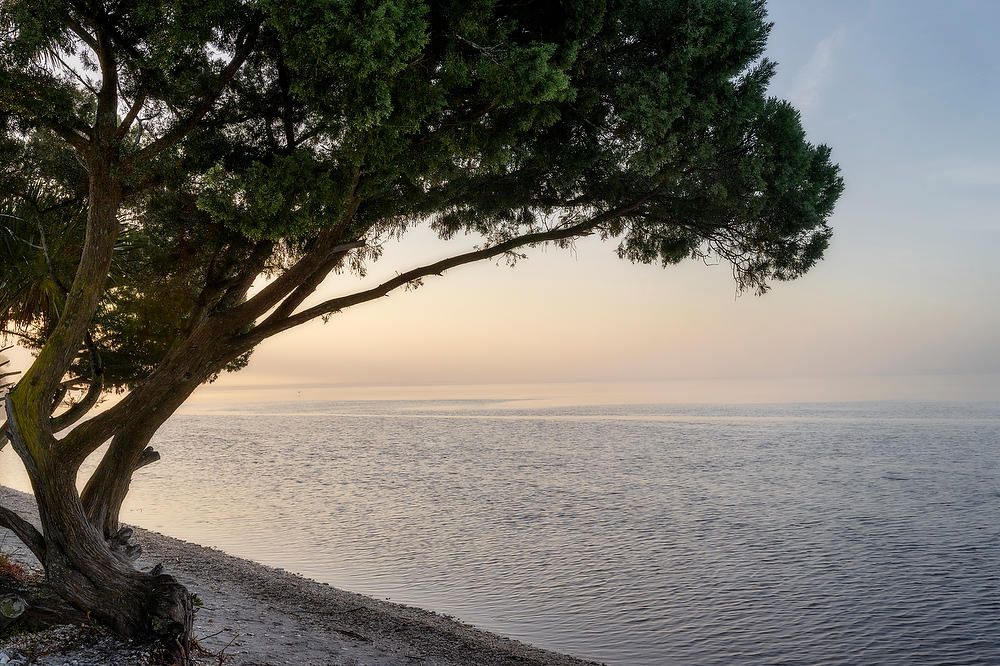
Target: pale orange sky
[{"x": 586, "y": 316}]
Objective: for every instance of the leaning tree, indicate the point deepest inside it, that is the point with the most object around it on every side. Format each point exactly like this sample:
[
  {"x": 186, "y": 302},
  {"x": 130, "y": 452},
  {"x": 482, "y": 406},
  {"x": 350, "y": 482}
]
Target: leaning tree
[{"x": 178, "y": 178}]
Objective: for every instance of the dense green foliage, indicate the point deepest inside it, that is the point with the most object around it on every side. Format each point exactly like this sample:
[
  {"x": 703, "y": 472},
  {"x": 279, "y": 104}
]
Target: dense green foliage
[{"x": 498, "y": 118}]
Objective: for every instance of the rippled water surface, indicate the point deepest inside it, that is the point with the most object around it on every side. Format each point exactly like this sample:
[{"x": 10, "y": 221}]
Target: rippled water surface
[{"x": 860, "y": 533}]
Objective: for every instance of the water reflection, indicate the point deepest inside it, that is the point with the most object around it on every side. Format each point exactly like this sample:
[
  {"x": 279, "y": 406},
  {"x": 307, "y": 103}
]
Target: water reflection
[{"x": 632, "y": 534}]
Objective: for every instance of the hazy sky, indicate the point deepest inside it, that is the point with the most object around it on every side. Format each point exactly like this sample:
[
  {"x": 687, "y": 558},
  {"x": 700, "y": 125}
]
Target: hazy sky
[{"x": 906, "y": 93}]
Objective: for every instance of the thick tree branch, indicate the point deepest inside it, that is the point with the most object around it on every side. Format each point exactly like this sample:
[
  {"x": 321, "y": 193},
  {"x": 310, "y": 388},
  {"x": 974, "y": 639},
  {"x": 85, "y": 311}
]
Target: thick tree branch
[
  {"x": 106, "y": 123},
  {"x": 266, "y": 330},
  {"x": 305, "y": 289},
  {"x": 96, "y": 384},
  {"x": 70, "y": 136},
  {"x": 288, "y": 281},
  {"x": 17, "y": 441},
  {"x": 82, "y": 33},
  {"x": 217, "y": 286},
  {"x": 133, "y": 112},
  {"x": 80, "y": 409},
  {"x": 232, "y": 292},
  {"x": 186, "y": 367},
  {"x": 25, "y": 531},
  {"x": 184, "y": 127}
]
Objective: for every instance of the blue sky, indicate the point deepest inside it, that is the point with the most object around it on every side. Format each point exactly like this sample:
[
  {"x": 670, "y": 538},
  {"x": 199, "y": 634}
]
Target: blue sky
[{"x": 907, "y": 93}]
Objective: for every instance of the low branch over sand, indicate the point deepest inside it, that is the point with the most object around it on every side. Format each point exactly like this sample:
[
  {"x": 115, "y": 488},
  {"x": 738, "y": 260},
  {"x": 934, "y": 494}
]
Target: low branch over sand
[{"x": 255, "y": 615}]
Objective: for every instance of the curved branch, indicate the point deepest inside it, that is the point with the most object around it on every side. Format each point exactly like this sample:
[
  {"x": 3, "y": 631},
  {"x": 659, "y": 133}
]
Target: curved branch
[
  {"x": 184, "y": 127},
  {"x": 70, "y": 136},
  {"x": 94, "y": 390},
  {"x": 133, "y": 112},
  {"x": 82, "y": 33},
  {"x": 96, "y": 386},
  {"x": 231, "y": 292},
  {"x": 79, "y": 409},
  {"x": 288, "y": 306},
  {"x": 289, "y": 282},
  {"x": 266, "y": 329},
  {"x": 25, "y": 531}
]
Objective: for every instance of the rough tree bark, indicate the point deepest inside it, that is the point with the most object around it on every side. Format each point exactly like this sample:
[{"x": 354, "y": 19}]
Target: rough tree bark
[
  {"x": 80, "y": 564},
  {"x": 108, "y": 486}
]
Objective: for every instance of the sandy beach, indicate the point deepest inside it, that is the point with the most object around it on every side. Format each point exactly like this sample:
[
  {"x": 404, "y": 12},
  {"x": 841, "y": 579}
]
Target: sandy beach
[{"x": 254, "y": 615}]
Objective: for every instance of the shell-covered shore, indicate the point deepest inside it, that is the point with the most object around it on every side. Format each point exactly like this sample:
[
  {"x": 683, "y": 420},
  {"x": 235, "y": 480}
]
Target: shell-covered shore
[{"x": 254, "y": 615}]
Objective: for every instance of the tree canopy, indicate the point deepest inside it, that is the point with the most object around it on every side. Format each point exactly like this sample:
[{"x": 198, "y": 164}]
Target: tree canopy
[
  {"x": 159, "y": 158},
  {"x": 247, "y": 132}
]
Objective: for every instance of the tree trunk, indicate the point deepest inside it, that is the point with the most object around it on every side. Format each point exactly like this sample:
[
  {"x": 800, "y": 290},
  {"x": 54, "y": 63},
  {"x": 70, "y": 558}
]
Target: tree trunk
[
  {"x": 85, "y": 572},
  {"x": 201, "y": 355},
  {"x": 109, "y": 485},
  {"x": 85, "y": 555},
  {"x": 81, "y": 566}
]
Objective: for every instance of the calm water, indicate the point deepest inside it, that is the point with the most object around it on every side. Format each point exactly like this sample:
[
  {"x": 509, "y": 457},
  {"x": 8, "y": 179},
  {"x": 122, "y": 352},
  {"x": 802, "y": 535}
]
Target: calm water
[{"x": 841, "y": 533}]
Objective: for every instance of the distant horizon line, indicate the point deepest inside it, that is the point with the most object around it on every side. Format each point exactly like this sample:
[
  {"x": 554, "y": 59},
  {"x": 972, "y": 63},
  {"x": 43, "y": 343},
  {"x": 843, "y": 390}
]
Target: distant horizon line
[
  {"x": 545, "y": 382},
  {"x": 983, "y": 387}
]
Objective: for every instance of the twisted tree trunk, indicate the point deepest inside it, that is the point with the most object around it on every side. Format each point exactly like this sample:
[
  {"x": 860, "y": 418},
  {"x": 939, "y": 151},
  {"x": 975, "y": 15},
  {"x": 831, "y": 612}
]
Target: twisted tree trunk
[
  {"x": 89, "y": 571},
  {"x": 83, "y": 568},
  {"x": 85, "y": 554},
  {"x": 108, "y": 486}
]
